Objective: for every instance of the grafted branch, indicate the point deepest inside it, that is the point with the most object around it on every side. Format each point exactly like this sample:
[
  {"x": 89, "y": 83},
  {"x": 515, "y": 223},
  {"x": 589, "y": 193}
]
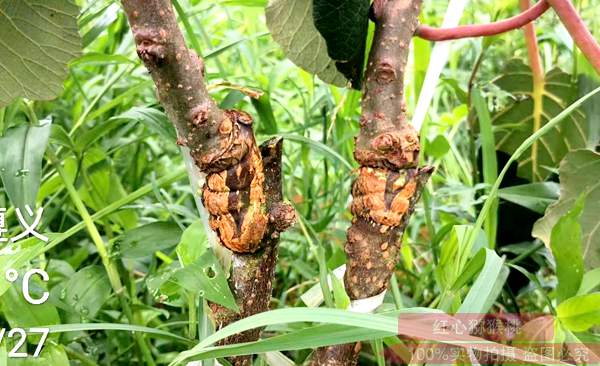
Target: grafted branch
[
  {"x": 222, "y": 145},
  {"x": 390, "y": 181},
  {"x": 482, "y": 30}
]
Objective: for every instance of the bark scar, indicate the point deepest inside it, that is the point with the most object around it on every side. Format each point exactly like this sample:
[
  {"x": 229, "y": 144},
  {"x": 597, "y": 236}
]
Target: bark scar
[{"x": 234, "y": 193}]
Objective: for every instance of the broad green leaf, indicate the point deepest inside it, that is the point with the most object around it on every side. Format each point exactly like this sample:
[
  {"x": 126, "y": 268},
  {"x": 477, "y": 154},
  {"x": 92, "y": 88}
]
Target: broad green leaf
[
  {"x": 565, "y": 242},
  {"x": 344, "y": 25},
  {"x": 438, "y": 147},
  {"x": 193, "y": 243},
  {"x": 16, "y": 255},
  {"x": 21, "y": 152},
  {"x": 204, "y": 277},
  {"x": 21, "y": 314},
  {"x": 580, "y": 313},
  {"x": 38, "y": 39},
  {"x": 292, "y": 26},
  {"x": 590, "y": 281},
  {"x": 579, "y": 174},
  {"x": 534, "y": 196},
  {"x": 85, "y": 292},
  {"x": 523, "y": 117},
  {"x": 145, "y": 240}
]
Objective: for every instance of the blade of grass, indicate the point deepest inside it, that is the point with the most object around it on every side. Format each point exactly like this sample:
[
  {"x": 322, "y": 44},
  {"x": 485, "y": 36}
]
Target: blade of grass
[
  {"x": 472, "y": 235},
  {"x": 490, "y": 164},
  {"x": 109, "y": 265}
]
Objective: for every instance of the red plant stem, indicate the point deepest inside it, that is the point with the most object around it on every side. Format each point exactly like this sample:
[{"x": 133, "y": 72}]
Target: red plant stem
[
  {"x": 481, "y": 30},
  {"x": 533, "y": 51},
  {"x": 578, "y": 30}
]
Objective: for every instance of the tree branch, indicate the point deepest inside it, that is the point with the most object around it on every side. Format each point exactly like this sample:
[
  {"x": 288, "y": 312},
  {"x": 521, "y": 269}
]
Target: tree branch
[
  {"x": 578, "y": 30},
  {"x": 389, "y": 182},
  {"x": 482, "y": 30},
  {"x": 242, "y": 196}
]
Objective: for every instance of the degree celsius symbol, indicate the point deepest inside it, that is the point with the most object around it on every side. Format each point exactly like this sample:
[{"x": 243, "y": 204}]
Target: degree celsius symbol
[{"x": 12, "y": 275}]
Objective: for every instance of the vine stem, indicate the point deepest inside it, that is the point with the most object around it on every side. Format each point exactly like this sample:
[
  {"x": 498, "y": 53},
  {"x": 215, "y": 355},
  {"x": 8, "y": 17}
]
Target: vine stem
[
  {"x": 483, "y": 30},
  {"x": 578, "y": 30}
]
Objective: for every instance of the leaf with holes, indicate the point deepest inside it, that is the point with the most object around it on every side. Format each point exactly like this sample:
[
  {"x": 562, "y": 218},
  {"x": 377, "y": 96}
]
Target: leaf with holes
[
  {"x": 344, "y": 24},
  {"x": 525, "y": 115},
  {"x": 291, "y": 25},
  {"x": 204, "y": 277},
  {"x": 579, "y": 174},
  {"x": 38, "y": 39}
]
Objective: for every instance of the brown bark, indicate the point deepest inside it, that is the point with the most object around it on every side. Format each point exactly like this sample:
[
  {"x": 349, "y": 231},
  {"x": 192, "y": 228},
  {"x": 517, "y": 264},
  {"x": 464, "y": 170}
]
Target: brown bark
[
  {"x": 252, "y": 273},
  {"x": 389, "y": 182},
  {"x": 242, "y": 192}
]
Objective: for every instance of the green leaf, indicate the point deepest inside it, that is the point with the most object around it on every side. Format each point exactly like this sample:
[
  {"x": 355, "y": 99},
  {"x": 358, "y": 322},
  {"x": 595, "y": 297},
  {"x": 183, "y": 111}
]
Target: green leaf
[
  {"x": 488, "y": 285},
  {"x": 21, "y": 314},
  {"x": 145, "y": 240},
  {"x": 490, "y": 163},
  {"x": 344, "y": 25},
  {"x": 85, "y": 292},
  {"x": 193, "y": 243},
  {"x": 64, "y": 328},
  {"x": 52, "y": 354},
  {"x": 524, "y": 117},
  {"x": 154, "y": 119},
  {"x": 263, "y": 107},
  {"x": 590, "y": 281},
  {"x": 100, "y": 185},
  {"x": 38, "y": 40},
  {"x": 580, "y": 313},
  {"x": 320, "y": 147},
  {"x": 204, "y": 277},
  {"x": 534, "y": 196},
  {"x": 579, "y": 174},
  {"x": 438, "y": 147},
  {"x": 21, "y": 152},
  {"x": 291, "y": 25},
  {"x": 376, "y": 323},
  {"x": 342, "y": 301},
  {"x": 16, "y": 255},
  {"x": 565, "y": 242}
]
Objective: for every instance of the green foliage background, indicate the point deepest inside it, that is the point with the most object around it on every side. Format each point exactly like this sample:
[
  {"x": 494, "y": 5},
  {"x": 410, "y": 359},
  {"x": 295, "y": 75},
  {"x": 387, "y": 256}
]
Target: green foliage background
[{"x": 114, "y": 189}]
